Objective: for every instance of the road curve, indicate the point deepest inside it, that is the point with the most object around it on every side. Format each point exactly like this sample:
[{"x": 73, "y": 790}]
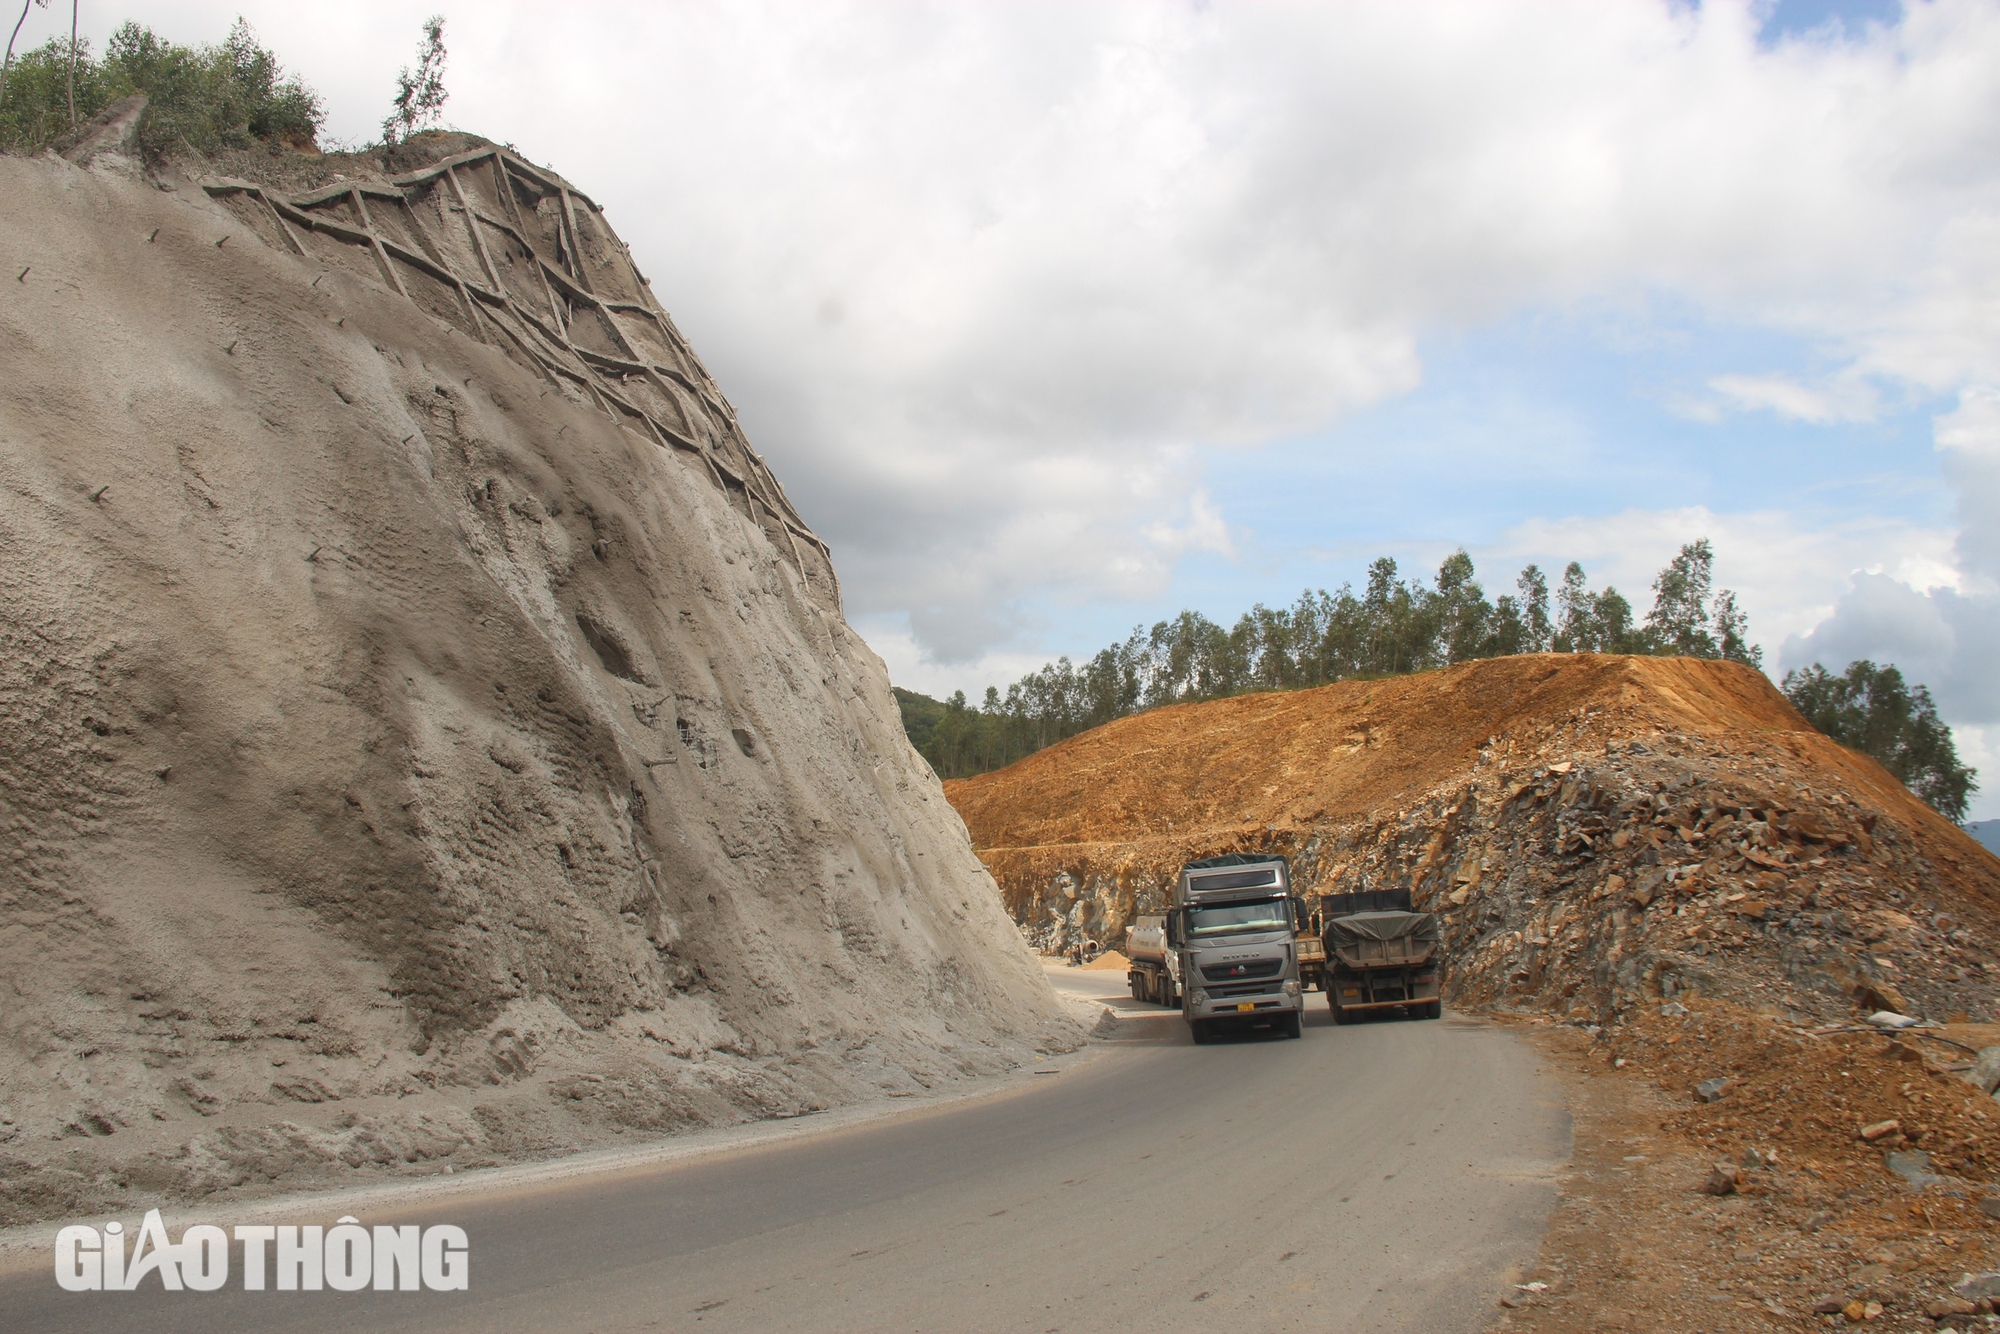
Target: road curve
[{"x": 1384, "y": 1176}]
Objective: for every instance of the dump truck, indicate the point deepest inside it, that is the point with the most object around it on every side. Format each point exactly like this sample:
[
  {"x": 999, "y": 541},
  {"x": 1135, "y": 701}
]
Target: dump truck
[
  {"x": 1230, "y": 940},
  {"x": 1381, "y": 954}
]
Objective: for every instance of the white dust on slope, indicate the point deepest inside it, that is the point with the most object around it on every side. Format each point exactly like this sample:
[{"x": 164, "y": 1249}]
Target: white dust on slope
[{"x": 329, "y": 839}]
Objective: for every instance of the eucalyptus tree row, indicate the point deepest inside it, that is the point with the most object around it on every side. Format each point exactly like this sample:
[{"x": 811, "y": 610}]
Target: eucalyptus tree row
[{"x": 1390, "y": 627}]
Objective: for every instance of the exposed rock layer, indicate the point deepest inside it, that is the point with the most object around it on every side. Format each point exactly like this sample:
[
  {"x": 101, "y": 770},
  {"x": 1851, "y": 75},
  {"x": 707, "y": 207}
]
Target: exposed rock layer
[
  {"x": 425, "y": 734},
  {"x": 1594, "y": 829}
]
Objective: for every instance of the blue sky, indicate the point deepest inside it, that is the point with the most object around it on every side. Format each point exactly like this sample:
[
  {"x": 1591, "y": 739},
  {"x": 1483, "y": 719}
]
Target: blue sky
[
  {"x": 1546, "y": 414},
  {"x": 1059, "y": 317}
]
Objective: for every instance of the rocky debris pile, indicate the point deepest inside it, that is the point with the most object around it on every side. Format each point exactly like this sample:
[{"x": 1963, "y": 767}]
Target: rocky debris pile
[
  {"x": 1768, "y": 1205},
  {"x": 1688, "y": 865},
  {"x": 428, "y": 735},
  {"x": 1596, "y": 832},
  {"x": 1843, "y": 1173}
]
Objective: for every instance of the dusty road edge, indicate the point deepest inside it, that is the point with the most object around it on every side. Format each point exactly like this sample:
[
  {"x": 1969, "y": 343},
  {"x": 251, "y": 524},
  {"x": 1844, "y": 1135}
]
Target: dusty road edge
[{"x": 28, "y": 1245}]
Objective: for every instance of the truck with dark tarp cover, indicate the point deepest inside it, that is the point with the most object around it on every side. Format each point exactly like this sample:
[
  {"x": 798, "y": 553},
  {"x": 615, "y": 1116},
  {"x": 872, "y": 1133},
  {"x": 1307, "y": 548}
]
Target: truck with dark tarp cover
[
  {"x": 1381, "y": 954},
  {"x": 1232, "y": 938}
]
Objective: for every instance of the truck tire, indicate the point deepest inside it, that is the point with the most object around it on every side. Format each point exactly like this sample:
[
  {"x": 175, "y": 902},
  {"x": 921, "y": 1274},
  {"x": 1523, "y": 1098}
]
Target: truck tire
[
  {"x": 1340, "y": 1016},
  {"x": 1199, "y": 1031},
  {"x": 1293, "y": 1027},
  {"x": 1138, "y": 984},
  {"x": 1434, "y": 1010}
]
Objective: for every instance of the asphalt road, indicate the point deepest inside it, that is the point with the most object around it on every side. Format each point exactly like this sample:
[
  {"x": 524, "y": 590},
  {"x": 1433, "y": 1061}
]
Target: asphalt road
[{"x": 1385, "y": 1176}]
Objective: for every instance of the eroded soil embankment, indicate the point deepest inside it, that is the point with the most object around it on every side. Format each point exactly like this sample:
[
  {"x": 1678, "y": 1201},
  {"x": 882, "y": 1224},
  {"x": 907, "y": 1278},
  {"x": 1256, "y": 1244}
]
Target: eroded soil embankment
[
  {"x": 1595, "y": 832},
  {"x": 427, "y": 735}
]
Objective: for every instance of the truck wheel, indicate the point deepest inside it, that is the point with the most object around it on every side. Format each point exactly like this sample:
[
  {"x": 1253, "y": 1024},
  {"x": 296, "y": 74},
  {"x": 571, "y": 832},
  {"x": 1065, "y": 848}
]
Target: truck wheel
[
  {"x": 1138, "y": 984},
  {"x": 1292, "y": 1026},
  {"x": 1434, "y": 1010},
  {"x": 1340, "y": 1016},
  {"x": 1199, "y": 1031}
]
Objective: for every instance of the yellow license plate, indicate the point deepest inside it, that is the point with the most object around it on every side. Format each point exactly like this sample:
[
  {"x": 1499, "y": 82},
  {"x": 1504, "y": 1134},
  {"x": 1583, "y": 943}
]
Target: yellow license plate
[{"x": 1244, "y": 1007}]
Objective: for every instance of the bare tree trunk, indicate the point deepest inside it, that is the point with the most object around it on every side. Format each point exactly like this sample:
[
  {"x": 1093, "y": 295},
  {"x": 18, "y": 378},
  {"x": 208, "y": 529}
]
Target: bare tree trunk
[
  {"x": 73, "y": 4},
  {"x": 8, "y": 63}
]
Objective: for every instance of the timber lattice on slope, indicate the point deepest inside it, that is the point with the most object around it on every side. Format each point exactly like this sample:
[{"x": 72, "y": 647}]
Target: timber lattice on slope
[{"x": 513, "y": 256}]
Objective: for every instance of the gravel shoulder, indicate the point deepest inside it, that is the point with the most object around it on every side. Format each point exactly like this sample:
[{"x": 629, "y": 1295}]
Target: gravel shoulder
[{"x": 1815, "y": 1223}]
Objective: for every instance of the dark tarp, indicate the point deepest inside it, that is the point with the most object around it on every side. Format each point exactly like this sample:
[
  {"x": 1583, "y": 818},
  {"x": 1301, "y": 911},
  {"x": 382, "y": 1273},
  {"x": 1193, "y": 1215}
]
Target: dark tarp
[{"x": 1367, "y": 938}]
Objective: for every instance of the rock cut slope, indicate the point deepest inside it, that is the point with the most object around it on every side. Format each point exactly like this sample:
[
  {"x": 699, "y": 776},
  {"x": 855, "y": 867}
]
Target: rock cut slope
[
  {"x": 427, "y": 732},
  {"x": 1596, "y": 831}
]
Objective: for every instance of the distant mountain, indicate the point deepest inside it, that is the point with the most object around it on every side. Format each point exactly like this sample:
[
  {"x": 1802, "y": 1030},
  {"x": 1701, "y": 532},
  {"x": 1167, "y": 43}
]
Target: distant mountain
[{"x": 1988, "y": 833}]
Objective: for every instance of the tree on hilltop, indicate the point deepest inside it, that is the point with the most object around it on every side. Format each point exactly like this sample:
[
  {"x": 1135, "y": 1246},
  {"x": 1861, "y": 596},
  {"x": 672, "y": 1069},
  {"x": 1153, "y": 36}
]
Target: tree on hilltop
[
  {"x": 1390, "y": 627},
  {"x": 1681, "y": 621},
  {"x": 1870, "y": 709},
  {"x": 420, "y": 94}
]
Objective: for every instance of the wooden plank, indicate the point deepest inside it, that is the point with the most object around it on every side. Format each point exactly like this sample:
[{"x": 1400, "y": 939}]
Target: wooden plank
[
  {"x": 284, "y": 228},
  {"x": 472, "y": 227},
  {"x": 381, "y": 251},
  {"x": 439, "y": 168},
  {"x": 575, "y": 243},
  {"x": 548, "y": 180},
  {"x": 521, "y": 230},
  {"x": 443, "y": 262},
  {"x": 338, "y": 230},
  {"x": 327, "y": 193}
]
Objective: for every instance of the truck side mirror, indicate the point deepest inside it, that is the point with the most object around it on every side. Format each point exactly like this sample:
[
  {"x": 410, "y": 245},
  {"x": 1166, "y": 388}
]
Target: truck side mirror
[{"x": 1174, "y": 929}]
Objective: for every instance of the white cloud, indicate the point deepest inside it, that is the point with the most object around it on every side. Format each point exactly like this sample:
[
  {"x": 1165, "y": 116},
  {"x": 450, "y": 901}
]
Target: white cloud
[
  {"x": 990, "y": 276},
  {"x": 1851, "y": 400},
  {"x": 1979, "y": 747},
  {"x": 1789, "y": 573},
  {"x": 1944, "y": 630},
  {"x": 986, "y": 279}
]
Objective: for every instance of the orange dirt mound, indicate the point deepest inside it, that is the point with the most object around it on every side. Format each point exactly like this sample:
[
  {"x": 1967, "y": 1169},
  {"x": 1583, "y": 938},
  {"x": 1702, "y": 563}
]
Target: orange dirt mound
[{"x": 1594, "y": 828}]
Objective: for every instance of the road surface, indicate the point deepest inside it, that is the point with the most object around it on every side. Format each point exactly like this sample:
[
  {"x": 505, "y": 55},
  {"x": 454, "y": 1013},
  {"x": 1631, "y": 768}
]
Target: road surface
[{"x": 1384, "y": 1176}]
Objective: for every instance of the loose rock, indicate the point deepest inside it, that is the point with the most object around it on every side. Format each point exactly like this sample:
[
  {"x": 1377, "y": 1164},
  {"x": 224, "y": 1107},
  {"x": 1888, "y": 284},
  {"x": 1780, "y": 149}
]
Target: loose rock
[{"x": 1723, "y": 1179}]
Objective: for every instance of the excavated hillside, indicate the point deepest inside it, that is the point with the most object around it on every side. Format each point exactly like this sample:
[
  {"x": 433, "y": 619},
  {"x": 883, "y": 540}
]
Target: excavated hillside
[
  {"x": 1596, "y": 831},
  {"x": 428, "y": 735}
]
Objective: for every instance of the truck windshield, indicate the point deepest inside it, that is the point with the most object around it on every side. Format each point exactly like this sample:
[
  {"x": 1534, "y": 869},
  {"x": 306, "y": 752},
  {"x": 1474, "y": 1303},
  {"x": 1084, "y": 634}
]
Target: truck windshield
[{"x": 1229, "y": 918}]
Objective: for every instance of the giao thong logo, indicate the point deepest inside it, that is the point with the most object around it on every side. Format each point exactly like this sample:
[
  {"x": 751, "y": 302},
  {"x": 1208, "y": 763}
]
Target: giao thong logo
[{"x": 346, "y": 1257}]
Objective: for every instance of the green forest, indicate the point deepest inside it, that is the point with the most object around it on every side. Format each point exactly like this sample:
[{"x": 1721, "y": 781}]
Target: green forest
[
  {"x": 1392, "y": 627},
  {"x": 1397, "y": 626},
  {"x": 200, "y": 98}
]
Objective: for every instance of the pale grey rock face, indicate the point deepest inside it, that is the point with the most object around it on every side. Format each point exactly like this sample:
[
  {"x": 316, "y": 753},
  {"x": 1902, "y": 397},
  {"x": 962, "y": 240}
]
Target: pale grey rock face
[{"x": 426, "y": 732}]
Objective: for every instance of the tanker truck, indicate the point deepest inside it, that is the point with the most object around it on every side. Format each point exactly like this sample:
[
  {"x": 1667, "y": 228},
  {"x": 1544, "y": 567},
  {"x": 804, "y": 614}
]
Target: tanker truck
[
  {"x": 1151, "y": 971},
  {"x": 1230, "y": 945}
]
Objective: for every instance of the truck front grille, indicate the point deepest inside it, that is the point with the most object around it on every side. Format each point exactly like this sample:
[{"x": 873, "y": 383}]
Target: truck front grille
[
  {"x": 1254, "y": 989},
  {"x": 1239, "y": 972}
]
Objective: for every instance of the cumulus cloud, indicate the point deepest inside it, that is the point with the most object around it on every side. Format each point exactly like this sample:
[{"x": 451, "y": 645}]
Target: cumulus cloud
[
  {"x": 1789, "y": 572},
  {"x": 989, "y": 282},
  {"x": 1944, "y": 630}
]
